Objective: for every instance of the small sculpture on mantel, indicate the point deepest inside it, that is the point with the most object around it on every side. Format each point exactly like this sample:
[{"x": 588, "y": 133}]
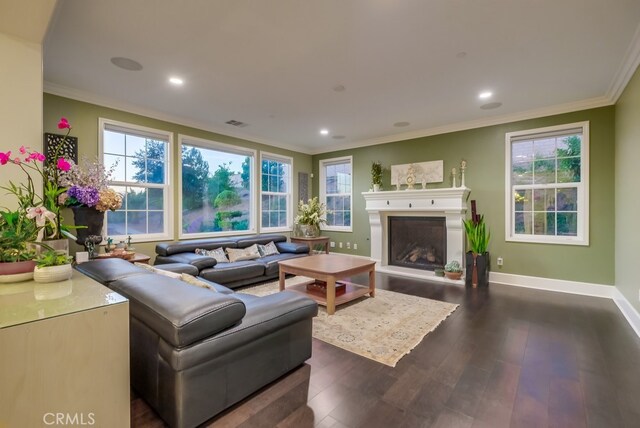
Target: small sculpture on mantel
[
  {"x": 453, "y": 174},
  {"x": 411, "y": 177},
  {"x": 463, "y": 167}
]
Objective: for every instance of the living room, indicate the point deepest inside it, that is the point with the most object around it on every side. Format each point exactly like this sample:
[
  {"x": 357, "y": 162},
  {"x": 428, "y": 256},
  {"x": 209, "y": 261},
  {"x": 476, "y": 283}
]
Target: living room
[{"x": 591, "y": 278}]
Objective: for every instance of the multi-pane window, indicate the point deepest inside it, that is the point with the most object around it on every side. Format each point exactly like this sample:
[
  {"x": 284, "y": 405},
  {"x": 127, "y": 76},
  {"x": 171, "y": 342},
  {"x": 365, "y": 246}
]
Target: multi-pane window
[
  {"x": 275, "y": 191},
  {"x": 216, "y": 188},
  {"x": 141, "y": 161},
  {"x": 547, "y": 185},
  {"x": 335, "y": 192}
]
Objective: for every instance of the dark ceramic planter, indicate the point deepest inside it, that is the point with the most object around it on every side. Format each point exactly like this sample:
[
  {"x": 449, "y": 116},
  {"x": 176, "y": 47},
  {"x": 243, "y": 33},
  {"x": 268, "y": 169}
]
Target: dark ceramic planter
[
  {"x": 92, "y": 219},
  {"x": 481, "y": 268}
]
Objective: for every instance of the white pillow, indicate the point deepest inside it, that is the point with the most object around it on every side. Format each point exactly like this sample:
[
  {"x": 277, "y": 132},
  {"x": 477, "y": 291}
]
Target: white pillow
[
  {"x": 192, "y": 280},
  {"x": 238, "y": 254},
  {"x": 150, "y": 268}
]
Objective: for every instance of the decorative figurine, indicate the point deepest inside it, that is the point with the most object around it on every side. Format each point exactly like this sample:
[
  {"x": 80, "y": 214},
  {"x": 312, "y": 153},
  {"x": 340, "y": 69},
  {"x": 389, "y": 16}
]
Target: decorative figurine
[
  {"x": 453, "y": 174},
  {"x": 411, "y": 177},
  {"x": 463, "y": 166}
]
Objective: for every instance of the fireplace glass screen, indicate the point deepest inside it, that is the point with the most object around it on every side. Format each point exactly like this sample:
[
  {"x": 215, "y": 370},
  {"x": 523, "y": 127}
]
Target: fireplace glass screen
[{"x": 417, "y": 242}]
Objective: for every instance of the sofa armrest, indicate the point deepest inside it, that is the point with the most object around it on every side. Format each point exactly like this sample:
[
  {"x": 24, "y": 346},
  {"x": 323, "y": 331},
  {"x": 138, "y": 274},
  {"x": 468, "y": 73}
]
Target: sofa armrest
[
  {"x": 201, "y": 262},
  {"x": 290, "y": 247},
  {"x": 178, "y": 312},
  {"x": 178, "y": 268},
  {"x": 264, "y": 316}
]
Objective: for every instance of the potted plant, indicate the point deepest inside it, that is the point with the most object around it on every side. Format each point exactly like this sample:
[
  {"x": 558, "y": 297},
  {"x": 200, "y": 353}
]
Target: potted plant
[
  {"x": 478, "y": 257},
  {"x": 310, "y": 217},
  {"x": 52, "y": 266},
  {"x": 376, "y": 175},
  {"x": 17, "y": 233},
  {"x": 453, "y": 270}
]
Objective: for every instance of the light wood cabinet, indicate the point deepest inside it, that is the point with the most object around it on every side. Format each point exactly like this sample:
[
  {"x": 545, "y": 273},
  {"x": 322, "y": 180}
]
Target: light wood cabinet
[{"x": 64, "y": 355}]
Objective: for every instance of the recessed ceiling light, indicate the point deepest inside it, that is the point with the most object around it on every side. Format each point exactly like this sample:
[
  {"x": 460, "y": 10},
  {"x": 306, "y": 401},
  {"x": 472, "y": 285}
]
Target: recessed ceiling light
[
  {"x": 126, "y": 63},
  {"x": 176, "y": 81},
  {"x": 485, "y": 95},
  {"x": 401, "y": 124},
  {"x": 324, "y": 132},
  {"x": 490, "y": 106}
]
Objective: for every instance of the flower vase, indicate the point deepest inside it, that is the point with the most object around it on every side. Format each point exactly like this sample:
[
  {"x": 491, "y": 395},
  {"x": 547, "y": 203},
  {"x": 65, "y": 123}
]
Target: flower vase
[
  {"x": 93, "y": 221},
  {"x": 309, "y": 230}
]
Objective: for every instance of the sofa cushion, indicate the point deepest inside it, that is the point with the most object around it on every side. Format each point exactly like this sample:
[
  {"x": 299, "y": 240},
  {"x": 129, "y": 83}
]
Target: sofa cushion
[
  {"x": 181, "y": 315},
  {"x": 199, "y": 261},
  {"x": 224, "y": 273},
  {"x": 216, "y": 253},
  {"x": 190, "y": 246},
  {"x": 192, "y": 280},
  {"x": 290, "y": 247},
  {"x": 271, "y": 262},
  {"x": 239, "y": 254},
  {"x": 246, "y": 241},
  {"x": 108, "y": 270}
]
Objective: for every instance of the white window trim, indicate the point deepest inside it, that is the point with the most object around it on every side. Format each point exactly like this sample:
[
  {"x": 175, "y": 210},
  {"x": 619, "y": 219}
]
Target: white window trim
[
  {"x": 582, "y": 237},
  {"x": 323, "y": 191},
  {"x": 214, "y": 145},
  {"x": 168, "y": 193},
  {"x": 289, "y": 195}
]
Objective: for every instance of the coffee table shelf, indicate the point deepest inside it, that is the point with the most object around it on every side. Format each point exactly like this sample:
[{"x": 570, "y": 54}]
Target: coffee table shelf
[{"x": 352, "y": 292}]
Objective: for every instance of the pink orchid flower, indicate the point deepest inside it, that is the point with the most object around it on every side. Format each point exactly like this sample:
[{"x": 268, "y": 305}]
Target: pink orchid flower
[
  {"x": 40, "y": 157},
  {"x": 63, "y": 165},
  {"x": 64, "y": 123},
  {"x": 5, "y": 157},
  {"x": 23, "y": 150},
  {"x": 17, "y": 160}
]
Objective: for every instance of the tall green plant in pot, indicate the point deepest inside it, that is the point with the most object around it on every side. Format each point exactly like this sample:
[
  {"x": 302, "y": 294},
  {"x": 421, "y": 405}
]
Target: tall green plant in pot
[
  {"x": 376, "y": 176},
  {"x": 477, "y": 256}
]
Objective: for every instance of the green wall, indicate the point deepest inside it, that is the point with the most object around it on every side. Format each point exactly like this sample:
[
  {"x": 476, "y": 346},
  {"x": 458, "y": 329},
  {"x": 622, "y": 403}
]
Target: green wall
[
  {"x": 484, "y": 150},
  {"x": 84, "y": 120},
  {"x": 627, "y": 201}
]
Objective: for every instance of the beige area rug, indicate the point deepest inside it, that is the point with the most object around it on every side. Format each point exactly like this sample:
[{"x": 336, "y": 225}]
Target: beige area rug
[{"x": 384, "y": 328}]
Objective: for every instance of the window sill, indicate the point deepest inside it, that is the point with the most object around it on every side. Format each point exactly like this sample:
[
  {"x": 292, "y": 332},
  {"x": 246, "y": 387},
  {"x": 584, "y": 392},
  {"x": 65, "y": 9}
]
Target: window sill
[{"x": 553, "y": 240}]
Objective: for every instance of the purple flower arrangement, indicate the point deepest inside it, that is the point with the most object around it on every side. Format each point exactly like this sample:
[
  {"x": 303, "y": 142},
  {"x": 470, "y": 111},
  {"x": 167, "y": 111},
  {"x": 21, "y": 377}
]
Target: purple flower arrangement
[{"x": 89, "y": 196}]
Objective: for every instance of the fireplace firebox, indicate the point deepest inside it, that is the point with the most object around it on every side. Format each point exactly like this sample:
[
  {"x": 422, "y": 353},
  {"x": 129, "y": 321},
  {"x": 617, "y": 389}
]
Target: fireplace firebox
[{"x": 417, "y": 242}]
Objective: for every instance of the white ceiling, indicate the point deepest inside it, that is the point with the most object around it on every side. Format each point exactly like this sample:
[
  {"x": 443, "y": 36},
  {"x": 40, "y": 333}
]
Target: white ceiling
[{"x": 274, "y": 64}]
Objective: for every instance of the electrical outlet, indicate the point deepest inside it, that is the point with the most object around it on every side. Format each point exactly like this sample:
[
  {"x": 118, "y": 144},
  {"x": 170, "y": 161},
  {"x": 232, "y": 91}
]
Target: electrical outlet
[
  {"x": 333, "y": 244},
  {"x": 339, "y": 244},
  {"x": 355, "y": 246},
  {"x": 349, "y": 245},
  {"x": 500, "y": 261}
]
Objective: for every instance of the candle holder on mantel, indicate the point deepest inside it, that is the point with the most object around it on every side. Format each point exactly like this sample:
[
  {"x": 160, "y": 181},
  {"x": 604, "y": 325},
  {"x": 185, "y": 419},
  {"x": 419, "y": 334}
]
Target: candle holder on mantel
[{"x": 463, "y": 167}]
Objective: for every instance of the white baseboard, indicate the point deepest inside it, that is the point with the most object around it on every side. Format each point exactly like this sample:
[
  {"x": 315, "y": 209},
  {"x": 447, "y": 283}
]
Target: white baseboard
[
  {"x": 559, "y": 285},
  {"x": 629, "y": 312}
]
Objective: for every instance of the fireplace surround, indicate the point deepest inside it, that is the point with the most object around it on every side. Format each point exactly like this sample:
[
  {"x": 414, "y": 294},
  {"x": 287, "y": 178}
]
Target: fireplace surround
[{"x": 447, "y": 203}]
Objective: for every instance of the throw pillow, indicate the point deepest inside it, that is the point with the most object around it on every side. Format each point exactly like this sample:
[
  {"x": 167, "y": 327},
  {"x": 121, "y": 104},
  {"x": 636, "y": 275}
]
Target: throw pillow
[
  {"x": 217, "y": 254},
  {"x": 150, "y": 268},
  {"x": 192, "y": 280},
  {"x": 239, "y": 254},
  {"x": 268, "y": 250}
]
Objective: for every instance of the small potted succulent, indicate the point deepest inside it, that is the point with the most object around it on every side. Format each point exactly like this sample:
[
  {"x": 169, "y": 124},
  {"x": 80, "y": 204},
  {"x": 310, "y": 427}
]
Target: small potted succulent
[
  {"x": 453, "y": 270},
  {"x": 52, "y": 266}
]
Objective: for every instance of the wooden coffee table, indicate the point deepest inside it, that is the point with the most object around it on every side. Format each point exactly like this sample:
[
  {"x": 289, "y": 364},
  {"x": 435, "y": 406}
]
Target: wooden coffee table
[{"x": 328, "y": 268}]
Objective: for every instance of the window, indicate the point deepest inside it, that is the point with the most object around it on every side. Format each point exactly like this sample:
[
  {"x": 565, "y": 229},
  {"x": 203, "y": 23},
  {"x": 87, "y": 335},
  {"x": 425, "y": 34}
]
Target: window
[
  {"x": 141, "y": 161},
  {"x": 275, "y": 192},
  {"x": 547, "y": 192},
  {"x": 216, "y": 188},
  {"x": 335, "y": 192}
]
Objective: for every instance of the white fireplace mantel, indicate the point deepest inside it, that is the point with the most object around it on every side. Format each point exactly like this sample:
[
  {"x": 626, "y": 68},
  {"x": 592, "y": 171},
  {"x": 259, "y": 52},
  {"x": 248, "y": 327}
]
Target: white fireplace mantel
[{"x": 450, "y": 203}]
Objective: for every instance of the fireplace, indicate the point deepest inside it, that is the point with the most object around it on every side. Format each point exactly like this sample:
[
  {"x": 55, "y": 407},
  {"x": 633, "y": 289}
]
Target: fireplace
[
  {"x": 417, "y": 242},
  {"x": 437, "y": 245}
]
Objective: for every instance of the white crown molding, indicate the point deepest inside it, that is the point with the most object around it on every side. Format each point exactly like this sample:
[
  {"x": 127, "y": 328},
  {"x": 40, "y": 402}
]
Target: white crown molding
[
  {"x": 473, "y": 124},
  {"x": 627, "y": 68},
  {"x": 87, "y": 97},
  {"x": 629, "y": 312}
]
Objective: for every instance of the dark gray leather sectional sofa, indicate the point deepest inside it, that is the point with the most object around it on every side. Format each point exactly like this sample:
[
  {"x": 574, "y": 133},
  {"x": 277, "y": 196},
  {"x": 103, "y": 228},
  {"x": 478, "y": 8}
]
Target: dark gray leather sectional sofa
[
  {"x": 232, "y": 275},
  {"x": 195, "y": 352}
]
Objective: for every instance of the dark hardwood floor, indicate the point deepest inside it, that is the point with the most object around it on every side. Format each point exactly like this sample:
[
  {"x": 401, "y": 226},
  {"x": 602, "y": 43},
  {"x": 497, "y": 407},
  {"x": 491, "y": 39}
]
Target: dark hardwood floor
[{"x": 507, "y": 357}]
